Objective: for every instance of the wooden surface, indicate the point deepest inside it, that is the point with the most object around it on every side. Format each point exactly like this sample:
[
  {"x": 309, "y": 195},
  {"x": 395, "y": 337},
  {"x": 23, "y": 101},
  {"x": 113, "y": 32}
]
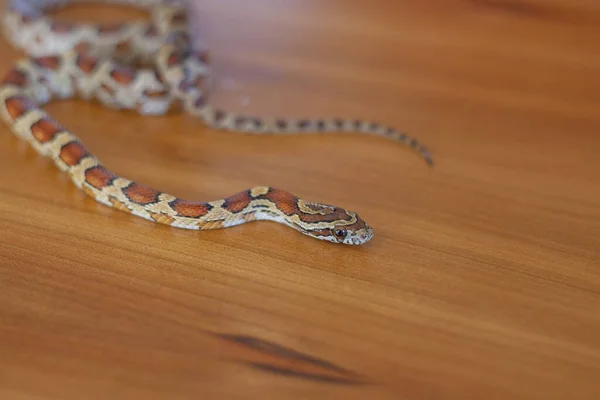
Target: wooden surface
[{"x": 483, "y": 279}]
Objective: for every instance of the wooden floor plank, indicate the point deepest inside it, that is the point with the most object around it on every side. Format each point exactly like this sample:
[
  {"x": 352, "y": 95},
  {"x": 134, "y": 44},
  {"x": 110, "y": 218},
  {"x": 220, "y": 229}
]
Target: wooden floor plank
[{"x": 482, "y": 280}]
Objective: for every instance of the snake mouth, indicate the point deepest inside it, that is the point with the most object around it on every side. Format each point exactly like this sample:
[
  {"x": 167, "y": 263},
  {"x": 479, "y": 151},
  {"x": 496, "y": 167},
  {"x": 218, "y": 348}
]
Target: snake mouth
[
  {"x": 362, "y": 238},
  {"x": 368, "y": 235}
]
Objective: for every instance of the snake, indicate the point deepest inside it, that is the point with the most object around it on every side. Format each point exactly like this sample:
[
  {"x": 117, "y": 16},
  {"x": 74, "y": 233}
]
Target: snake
[{"x": 152, "y": 67}]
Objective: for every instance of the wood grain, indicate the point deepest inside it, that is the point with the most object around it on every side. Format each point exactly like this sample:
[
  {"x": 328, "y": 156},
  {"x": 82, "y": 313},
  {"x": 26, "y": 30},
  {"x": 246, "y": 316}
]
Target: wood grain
[{"x": 483, "y": 279}]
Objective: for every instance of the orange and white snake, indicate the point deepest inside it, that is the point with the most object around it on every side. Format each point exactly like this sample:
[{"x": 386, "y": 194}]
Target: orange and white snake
[{"x": 96, "y": 62}]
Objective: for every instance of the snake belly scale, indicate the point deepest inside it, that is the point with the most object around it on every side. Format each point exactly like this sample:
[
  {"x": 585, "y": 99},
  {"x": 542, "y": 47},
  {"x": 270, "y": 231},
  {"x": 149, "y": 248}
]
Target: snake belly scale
[{"x": 97, "y": 63}]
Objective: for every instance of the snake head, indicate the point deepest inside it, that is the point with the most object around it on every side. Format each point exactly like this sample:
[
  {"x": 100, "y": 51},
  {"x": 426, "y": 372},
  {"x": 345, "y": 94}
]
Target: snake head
[
  {"x": 317, "y": 220},
  {"x": 358, "y": 233},
  {"x": 333, "y": 224}
]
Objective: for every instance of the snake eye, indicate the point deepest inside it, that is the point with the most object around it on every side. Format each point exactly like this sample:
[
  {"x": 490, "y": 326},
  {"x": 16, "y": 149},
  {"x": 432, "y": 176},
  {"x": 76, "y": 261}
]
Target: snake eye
[{"x": 340, "y": 233}]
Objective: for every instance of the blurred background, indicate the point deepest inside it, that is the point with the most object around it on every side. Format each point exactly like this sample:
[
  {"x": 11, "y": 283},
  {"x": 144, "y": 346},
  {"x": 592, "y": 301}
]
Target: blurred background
[{"x": 482, "y": 278}]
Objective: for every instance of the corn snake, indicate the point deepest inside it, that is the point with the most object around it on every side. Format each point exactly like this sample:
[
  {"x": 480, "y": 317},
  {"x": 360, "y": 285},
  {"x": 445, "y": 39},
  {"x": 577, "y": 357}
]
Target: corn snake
[{"x": 96, "y": 63}]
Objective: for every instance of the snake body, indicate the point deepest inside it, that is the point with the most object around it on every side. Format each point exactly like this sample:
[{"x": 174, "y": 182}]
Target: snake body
[{"x": 97, "y": 62}]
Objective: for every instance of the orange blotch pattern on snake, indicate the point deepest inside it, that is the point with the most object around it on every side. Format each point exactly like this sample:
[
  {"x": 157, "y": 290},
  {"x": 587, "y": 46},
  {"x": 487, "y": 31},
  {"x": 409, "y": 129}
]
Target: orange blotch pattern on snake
[
  {"x": 99, "y": 177},
  {"x": 190, "y": 209},
  {"x": 141, "y": 194},
  {"x": 17, "y": 106},
  {"x": 237, "y": 202},
  {"x": 15, "y": 77},
  {"x": 49, "y": 62},
  {"x": 45, "y": 130},
  {"x": 86, "y": 63},
  {"x": 72, "y": 153}
]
